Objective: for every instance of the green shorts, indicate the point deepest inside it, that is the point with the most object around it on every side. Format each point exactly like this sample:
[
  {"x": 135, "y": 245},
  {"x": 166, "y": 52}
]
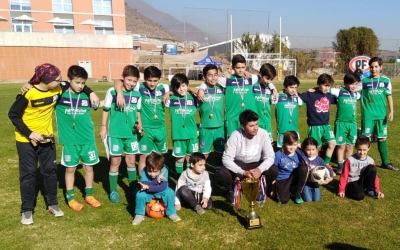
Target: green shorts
[
  {"x": 210, "y": 137},
  {"x": 346, "y": 133},
  {"x": 181, "y": 148},
  {"x": 378, "y": 126},
  {"x": 321, "y": 133},
  {"x": 128, "y": 145},
  {"x": 268, "y": 128},
  {"x": 71, "y": 155},
  {"x": 153, "y": 140},
  {"x": 279, "y": 139},
  {"x": 231, "y": 126}
]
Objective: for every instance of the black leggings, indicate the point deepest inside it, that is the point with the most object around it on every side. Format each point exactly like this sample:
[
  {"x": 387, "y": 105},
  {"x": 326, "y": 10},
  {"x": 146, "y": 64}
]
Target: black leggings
[
  {"x": 189, "y": 197},
  {"x": 298, "y": 176},
  {"x": 355, "y": 189},
  {"x": 226, "y": 177}
]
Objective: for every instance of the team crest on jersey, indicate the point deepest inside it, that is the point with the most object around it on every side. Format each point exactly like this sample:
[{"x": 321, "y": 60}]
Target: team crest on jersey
[
  {"x": 381, "y": 84},
  {"x": 55, "y": 98},
  {"x": 85, "y": 103},
  {"x": 202, "y": 144},
  {"x": 134, "y": 100},
  {"x": 143, "y": 147},
  {"x": 178, "y": 150},
  {"x": 189, "y": 102},
  {"x": 158, "y": 93}
]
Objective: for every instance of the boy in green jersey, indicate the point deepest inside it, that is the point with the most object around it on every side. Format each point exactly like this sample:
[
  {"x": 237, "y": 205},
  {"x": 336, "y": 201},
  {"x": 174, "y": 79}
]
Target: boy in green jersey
[
  {"x": 212, "y": 116},
  {"x": 152, "y": 113},
  {"x": 76, "y": 134},
  {"x": 286, "y": 110},
  {"x": 182, "y": 109},
  {"x": 121, "y": 133},
  {"x": 346, "y": 118},
  {"x": 376, "y": 94},
  {"x": 238, "y": 92},
  {"x": 262, "y": 95}
]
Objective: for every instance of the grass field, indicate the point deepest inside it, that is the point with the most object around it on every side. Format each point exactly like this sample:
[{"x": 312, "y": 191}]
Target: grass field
[{"x": 333, "y": 223}]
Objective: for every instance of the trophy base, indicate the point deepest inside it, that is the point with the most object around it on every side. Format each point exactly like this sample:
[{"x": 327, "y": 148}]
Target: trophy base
[{"x": 253, "y": 223}]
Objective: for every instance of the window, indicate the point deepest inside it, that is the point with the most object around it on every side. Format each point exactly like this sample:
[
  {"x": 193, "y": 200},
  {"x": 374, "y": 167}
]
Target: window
[
  {"x": 20, "y": 4},
  {"x": 62, "y": 5},
  {"x": 21, "y": 26},
  {"x": 65, "y": 28},
  {"x": 105, "y": 27},
  {"x": 102, "y": 7}
]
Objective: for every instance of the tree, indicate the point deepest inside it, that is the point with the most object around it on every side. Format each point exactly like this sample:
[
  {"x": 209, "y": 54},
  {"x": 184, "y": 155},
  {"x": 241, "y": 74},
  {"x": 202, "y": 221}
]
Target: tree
[
  {"x": 355, "y": 41},
  {"x": 273, "y": 46},
  {"x": 305, "y": 60}
]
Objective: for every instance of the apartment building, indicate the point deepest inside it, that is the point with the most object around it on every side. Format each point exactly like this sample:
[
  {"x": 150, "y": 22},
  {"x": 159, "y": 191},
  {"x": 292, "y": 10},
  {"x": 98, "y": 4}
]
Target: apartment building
[{"x": 91, "y": 33}]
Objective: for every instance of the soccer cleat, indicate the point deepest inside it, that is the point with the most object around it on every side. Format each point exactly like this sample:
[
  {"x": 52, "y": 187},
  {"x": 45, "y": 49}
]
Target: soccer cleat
[
  {"x": 137, "y": 220},
  {"x": 199, "y": 210},
  {"x": 372, "y": 194},
  {"x": 174, "y": 218},
  {"x": 298, "y": 199},
  {"x": 390, "y": 166},
  {"x": 55, "y": 210},
  {"x": 114, "y": 197},
  {"x": 76, "y": 206},
  {"x": 92, "y": 201},
  {"x": 26, "y": 218},
  {"x": 339, "y": 170}
]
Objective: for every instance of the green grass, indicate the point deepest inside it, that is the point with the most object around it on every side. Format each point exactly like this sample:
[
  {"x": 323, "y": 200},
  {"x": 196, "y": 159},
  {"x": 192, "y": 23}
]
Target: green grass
[{"x": 333, "y": 223}]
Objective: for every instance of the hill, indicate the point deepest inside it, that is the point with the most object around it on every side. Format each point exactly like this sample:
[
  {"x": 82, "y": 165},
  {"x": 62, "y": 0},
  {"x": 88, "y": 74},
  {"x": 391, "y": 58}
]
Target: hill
[
  {"x": 168, "y": 22},
  {"x": 137, "y": 23}
]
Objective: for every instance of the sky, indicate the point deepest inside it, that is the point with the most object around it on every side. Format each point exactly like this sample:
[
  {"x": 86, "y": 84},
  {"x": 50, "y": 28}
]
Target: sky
[{"x": 308, "y": 23}]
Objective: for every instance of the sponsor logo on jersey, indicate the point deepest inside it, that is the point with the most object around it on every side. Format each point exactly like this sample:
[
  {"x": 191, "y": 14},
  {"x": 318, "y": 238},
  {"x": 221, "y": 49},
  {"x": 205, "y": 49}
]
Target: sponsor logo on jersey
[{"x": 322, "y": 105}]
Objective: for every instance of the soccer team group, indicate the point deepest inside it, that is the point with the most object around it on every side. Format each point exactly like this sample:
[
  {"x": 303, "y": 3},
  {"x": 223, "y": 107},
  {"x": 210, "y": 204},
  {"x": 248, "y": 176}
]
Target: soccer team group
[{"x": 236, "y": 107}]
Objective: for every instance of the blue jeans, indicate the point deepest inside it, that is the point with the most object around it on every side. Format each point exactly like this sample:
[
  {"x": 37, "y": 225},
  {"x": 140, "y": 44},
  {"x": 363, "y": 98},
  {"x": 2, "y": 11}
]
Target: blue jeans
[
  {"x": 168, "y": 197},
  {"x": 311, "y": 193}
]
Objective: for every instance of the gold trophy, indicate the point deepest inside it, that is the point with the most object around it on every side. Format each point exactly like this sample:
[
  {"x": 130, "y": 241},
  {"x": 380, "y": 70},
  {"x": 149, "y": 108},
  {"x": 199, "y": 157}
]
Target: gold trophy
[{"x": 250, "y": 191}]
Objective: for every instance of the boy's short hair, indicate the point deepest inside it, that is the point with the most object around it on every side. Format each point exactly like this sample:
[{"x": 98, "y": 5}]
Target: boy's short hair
[
  {"x": 209, "y": 67},
  {"x": 375, "y": 59},
  {"x": 268, "y": 71},
  {"x": 309, "y": 141},
  {"x": 76, "y": 71},
  {"x": 291, "y": 80},
  {"x": 155, "y": 161},
  {"x": 248, "y": 116},
  {"x": 363, "y": 140},
  {"x": 178, "y": 79},
  {"x": 325, "y": 79},
  {"x": 359, "y": 72},
  {"x": 151, "y": 71},
  {"x": 238, "y": 59},
  {"x": 290, "y": 137},
  {"x": 196, "y": 157},
  {"x": 351, "y": 78},
  {"x": 130, "y": 70}
]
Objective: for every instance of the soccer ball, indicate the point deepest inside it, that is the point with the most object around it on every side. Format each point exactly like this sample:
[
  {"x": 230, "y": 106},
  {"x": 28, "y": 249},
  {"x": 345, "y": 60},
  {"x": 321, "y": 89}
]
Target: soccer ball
[
  {"x": 155, "y": 208},
  {"x": 319, "y": 175}
]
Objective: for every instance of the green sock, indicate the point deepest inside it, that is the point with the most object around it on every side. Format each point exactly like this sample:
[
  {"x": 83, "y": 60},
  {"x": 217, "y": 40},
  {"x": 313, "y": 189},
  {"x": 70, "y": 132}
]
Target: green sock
[
  {"x": 88, "y": 191},
  {"x": 113, "y": 179},
  {"x": 70, "y": 194},
  {"x": 327, "y": 159},
  {"x": 383, "y": 151},
  {"x": 179, "y": 167},
  {"x": 132, "y": 176}
]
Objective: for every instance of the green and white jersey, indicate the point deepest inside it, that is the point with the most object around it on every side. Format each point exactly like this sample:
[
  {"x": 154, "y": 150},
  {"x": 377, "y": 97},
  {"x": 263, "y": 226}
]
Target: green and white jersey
[
  {"x": 286, "y": 113},
  {"x": 212, "y": 110},
  {"x": 182, "y": 111},
  {"x": 262, "y": 100},
  {"x": 73, "y": 119},
  {"x": 346, "y": 104},
  {"x": 373, "y": 97},
  {"x": 122, "y": 120},
  {"x": 152, "y": 108}
]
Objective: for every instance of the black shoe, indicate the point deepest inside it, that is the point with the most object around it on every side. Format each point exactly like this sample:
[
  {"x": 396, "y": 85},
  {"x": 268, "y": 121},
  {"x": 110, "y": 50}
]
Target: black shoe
[
  {"x": 230, "y": 197},
  {"x": 339, "y": 170},
  {"x": 390, "y": 167}
]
